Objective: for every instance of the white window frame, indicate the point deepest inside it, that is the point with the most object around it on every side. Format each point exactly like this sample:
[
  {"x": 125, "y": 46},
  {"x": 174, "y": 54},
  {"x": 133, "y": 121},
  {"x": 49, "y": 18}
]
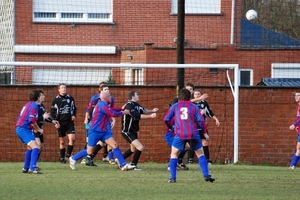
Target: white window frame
[
  {"x": 79, "y": 11},
  {"x": 134, "y": 76},
  {"x": 285, "y": 70},
  {"x": 198, "y": 6},
  {"x": 251, "y": 76}
]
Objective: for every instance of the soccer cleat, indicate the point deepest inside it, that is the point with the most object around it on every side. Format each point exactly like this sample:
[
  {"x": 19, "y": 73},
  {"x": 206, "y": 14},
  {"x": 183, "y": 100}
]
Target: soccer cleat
[
  {"x": 63, "y": 161},
  {"x": 209, "y": 178},
  {"x": 168, "y": 168},
  {"x": 191, "y": 161},
  {"x": 72, "y": 163},
  {"x": 106, "y": 159},
  {"x": 136, "y": 168},
  {"x": 209, "y": 162},
  {"x": 182, "y": 166},
  {"x": 112, "y": 162},
  {"x": 172, "y": 181},
  {"x": 35, "y": 171},
  {"x": 124, "y": 168},
  {"x": 292, "y": 167},
  {"x": 91, "y": 164},
  {"x": 24, "y": 170},
  {"x": 118, "y": 163},
  {"x": 83, "y": 161},
  {"x": 37, "y": 168}
]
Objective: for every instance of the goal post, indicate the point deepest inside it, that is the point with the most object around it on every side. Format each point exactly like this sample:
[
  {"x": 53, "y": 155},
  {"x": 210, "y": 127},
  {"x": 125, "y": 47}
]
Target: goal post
[{"x": 234, "y": 87}]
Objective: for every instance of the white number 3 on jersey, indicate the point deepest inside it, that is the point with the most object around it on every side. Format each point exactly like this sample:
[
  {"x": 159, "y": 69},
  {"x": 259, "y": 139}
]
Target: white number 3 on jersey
[{"x": 183, "y": 113}]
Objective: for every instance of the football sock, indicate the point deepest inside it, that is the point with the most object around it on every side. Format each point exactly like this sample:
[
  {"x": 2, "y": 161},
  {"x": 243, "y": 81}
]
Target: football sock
[
  {"x": 136, "y": 157},
  {"x": 180, "y": 156},
  {"x": 203, "y": 165},
  {"x": 119, "y": 156},
  {"x": 62, "y": 153},
  {"x": 295, "y": 160},
  {"x": 105, "y": 152},
  {"x": 110, "y": 155},
  {"x": 80, "y": 154},
  {"x": 206, "y": 152},
  {"x": 191, "y": 154},
  {"x": 127, "y": 153},
  {"x": 96, "y": 150},
  {"x": 173, "y": 168},
  {"x": 69, "y": 151},
  {"x": 27, "y": 159},
  {"x": 34, "y": 157}
]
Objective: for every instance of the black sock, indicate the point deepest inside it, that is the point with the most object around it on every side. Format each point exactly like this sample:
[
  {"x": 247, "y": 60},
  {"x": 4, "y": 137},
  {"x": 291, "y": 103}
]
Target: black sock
[
  {"x": 136, "y": 157},
  {"x": 69, "y": 151},
  {"x": 191, "y": 154},
  {"x": 105, "y": 153},
  {"x": 180, "y": 156},
  {"x": 206, "y": 152},
  {"x": 127, "y": 153},
  {"x": 62, "y": 153},
  {"x": 96, "y": 150}
]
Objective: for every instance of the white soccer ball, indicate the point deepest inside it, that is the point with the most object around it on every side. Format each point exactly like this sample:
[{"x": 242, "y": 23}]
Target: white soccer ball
[{"x": 251, "y": 15}]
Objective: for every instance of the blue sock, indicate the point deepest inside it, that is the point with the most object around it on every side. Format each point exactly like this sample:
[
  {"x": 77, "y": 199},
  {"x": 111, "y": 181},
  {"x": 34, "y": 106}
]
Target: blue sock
[
  {"x": 110, "y": 155},
  {"x": 203, "y": 165},
  {"x": 34, "y": 157},
  {"x": 117, "y": 152},
  {"x": 80, "y": 154},
  {"x": 295, "y": 160},
  {"x": 27, "y": 159},
  {"x": 173, "y": 168}
]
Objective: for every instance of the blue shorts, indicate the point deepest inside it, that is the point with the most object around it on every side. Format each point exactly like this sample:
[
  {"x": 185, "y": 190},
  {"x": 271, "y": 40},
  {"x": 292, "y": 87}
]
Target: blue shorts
[
  {"x": 298, "y": 137},
  {"x": 169, "y": 137},
  {"x": 25, "y": 135},
  {"x": 94, "y": 137},
  {"x": 195, "y": 143}
]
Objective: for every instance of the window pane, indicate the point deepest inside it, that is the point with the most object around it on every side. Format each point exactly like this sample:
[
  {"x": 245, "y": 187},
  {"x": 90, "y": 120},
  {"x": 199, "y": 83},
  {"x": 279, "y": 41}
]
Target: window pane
[
  {"x": 245, "y": 78},
  {"x": 98, "y": 15},
  {"x": 44, "y": 15},
  {"x": 72, "y": 15}
]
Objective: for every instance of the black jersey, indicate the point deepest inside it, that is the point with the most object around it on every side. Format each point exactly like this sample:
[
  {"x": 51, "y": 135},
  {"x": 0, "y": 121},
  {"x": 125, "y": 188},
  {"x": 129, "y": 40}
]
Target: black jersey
[
  {"x": 203, "y": 105},
  {"x": 41, "y": 112},
  {"x": 130, "y": 123},
  {"x": 63, "y": 108}
]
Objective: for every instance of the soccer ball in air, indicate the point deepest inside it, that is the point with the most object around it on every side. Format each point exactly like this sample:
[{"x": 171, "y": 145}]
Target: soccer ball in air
[{"x": 251, "y": 15}]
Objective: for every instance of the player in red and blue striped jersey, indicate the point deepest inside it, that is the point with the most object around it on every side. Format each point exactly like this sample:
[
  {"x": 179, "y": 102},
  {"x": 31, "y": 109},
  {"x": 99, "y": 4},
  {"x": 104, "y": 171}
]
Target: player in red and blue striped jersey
[
  {"x": 99, "y": 131},
  {"x": 188, "y": 119},
  {"x": 27, "y": 122},
  {"x": 296, "y": 126}
]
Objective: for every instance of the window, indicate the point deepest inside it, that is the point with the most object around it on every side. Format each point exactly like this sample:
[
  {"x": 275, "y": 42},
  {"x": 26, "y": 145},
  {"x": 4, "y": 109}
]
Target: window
[
  {"x": 199, "y": 6},
  {"x": 6, "y": 78},
  {"x": 134, "y": 76},
  {"x": 285, "y": 70},
  {"x": 246, "y": 77},
  {"x": 70, "y": 11}
]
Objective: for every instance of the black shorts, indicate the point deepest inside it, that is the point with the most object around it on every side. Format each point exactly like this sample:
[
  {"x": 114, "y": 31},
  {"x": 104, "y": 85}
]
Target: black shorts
[
  {"x": 39, "y": 135},
  {"x": 129, "y": 137},
  {"x": 202, "y": 137},
  {"x": 66, "y": 128}
]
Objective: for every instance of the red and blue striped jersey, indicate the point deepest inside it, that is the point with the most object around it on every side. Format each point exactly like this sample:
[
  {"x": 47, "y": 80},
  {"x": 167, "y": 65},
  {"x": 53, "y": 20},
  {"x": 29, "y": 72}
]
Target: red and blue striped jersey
[
  {"x": 28, "y": 115},
  {"x": 187, "y": 118},
  {"x": 102, "y": 116},
  {"x": 94, "y": 99},
  {"x": 297, "y": 123}
]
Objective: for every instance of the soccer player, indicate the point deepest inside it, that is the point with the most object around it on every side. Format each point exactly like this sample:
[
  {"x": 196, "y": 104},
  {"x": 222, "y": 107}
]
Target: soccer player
[
  {"x": 27, "y": 122},
  {"x": 42, "y": 116},
  {"x": 206, "y": 112},
  {"x": 130, "y": 127},
  {"x": 63, "y": 110},
  {"x": 99, "y": 131},
  {"x": 108, "y": 155},
  {"x": 296, "y": 126},
  {"x": 187, "y": 119}
]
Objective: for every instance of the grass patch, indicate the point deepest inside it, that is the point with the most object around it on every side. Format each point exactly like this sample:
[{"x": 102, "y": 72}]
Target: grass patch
[{"x": 58, "y": 181}]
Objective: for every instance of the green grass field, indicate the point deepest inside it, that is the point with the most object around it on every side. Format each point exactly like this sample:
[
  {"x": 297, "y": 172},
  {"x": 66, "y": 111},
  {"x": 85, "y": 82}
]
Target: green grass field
[{"x": 58, "y": 181}]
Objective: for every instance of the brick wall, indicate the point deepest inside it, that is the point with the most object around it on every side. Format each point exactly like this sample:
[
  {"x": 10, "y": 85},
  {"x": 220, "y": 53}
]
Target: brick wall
[{"x": 264, "y": 117}]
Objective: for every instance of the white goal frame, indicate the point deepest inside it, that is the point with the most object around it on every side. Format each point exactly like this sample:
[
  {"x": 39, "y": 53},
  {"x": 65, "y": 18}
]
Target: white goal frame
[{"x": 234, "y": 89}]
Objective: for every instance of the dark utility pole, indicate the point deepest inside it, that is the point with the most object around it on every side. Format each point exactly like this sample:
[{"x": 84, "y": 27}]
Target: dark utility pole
[{"x": 180, "y": 43}]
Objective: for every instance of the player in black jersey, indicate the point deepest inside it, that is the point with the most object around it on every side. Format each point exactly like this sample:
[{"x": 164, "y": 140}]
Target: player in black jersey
[
  {"x": 63, "y": 110},
  {"x": 130, "y": 127}
]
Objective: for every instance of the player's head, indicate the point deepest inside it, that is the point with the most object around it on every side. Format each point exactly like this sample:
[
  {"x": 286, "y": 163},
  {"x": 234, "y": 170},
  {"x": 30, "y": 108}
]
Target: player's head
[
  {"x": 104, "y": 88},
  {"x": 184, "y": 95},
  {"x": 34, "y": 95},
  {"x": 105, "y": 96},
  {"x": 173, "y": 101},
  {"x": 62, "y": 89},
  {"x": 41, "y": 97},
  {"x": 190, "y": 87},
  {"x": 197, "y": 94},
  {"x": 297, "y": 97},
  {"x": 133, "y": 96}
]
